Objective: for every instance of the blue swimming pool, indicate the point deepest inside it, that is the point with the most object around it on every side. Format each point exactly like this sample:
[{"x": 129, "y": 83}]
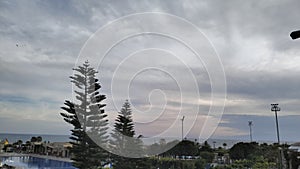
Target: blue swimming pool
[{"x": 27, "y": 162}]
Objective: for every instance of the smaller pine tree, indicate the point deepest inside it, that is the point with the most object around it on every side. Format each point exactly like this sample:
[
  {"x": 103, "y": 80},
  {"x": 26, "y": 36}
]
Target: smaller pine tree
[
  {"x": 123, "y": 130},
  {"x": 123, "y": 142}
]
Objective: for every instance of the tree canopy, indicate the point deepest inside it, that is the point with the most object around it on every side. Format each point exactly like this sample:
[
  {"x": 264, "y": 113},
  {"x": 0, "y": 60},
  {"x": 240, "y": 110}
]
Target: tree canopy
[{"x": 88, "y": 118}]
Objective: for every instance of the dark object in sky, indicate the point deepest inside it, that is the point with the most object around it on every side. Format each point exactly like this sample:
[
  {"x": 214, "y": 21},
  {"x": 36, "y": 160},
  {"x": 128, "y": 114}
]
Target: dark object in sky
[
  {"x": 295, "y": 34},
  {"x": 20, "y": 45}
]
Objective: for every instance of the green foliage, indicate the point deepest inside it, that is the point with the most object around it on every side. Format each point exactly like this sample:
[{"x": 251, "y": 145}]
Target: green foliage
[
  {"x": 170, "y": 163},
  {"x": 253, "y": 155},
  {"x": 244, "y": 151},
  {"x": 123, "y": 142},
  {"x": 207, "y": 156},
  {"x": 200, "y": 163},
  {"x": 206, "y": 147},
  {"x": 269, "y": 152},
  {"x": 292, "y": 158},
  {"x": 88, "y": 119},
  {"x": 33, "y": 139},
  {"x": 167, "y": 148},
  {"x": 78, "y": 148},
  {"x": 90, "y": 110},
  {"x": 39, "y": 139},
  {"x": 123, "y": 133},
  {"x": 253, "y": 151},
  {"x": 262, "y": 163},
  {"x": 184, "y": 148},
  {"x": 258, "y": 163}
]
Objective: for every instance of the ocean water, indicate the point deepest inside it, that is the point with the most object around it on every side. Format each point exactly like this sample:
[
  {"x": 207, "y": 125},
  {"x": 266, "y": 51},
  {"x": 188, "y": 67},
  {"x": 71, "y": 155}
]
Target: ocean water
[{"x": 26, "y": 137}]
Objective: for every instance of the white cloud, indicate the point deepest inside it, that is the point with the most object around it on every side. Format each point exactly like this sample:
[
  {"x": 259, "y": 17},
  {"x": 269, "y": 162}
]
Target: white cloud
[{"x": 252, "y": 39}]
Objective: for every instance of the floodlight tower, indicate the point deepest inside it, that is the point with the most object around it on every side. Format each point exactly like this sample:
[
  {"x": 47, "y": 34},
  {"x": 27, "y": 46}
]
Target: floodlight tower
[
  {"x": 275, "y": 108},
  {"x": 182, "y": 128}
]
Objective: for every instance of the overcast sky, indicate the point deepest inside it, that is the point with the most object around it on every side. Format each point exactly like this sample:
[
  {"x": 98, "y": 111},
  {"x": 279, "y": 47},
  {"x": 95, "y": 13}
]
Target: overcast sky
[{"x": 41, "y": 41}]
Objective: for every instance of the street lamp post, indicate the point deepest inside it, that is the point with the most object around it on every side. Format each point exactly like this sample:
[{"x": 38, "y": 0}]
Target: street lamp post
[
  {"x": 250, "y": 126},
  {"x": 275, "y": 108},
  {"x": 182, "y": 128}
]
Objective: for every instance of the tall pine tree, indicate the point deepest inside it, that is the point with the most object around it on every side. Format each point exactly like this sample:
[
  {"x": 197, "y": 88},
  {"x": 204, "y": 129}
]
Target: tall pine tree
[
  {"x": 78, "y": 149},
  {"x": 91, "y": 116}
]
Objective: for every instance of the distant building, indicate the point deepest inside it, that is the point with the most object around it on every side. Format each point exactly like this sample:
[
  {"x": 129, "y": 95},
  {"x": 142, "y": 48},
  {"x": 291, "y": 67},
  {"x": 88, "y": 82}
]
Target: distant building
[
  {"x": 3, "y": 143},
  {"x": 59, "y": 149},
  {"x": 295, "y": 147}
]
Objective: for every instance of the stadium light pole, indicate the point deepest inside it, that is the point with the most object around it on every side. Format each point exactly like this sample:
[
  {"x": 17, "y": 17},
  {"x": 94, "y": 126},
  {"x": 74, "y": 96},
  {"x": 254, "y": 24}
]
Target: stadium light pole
[
  {"x": 182, "y": 128},
  {"x": 275, "y": 108},
  {"x": 250, "y": 123}
]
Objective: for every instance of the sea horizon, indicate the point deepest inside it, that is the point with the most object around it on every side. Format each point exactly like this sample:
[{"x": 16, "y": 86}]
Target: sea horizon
[{"x": 13, "y": 137}]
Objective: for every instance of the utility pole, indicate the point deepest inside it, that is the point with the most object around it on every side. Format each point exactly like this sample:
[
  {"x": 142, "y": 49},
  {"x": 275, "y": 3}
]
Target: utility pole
[
  {"x": 275, "y": 108},
  {"x": 250, "y": 126},
  {"x": 182, "y": 128}
]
